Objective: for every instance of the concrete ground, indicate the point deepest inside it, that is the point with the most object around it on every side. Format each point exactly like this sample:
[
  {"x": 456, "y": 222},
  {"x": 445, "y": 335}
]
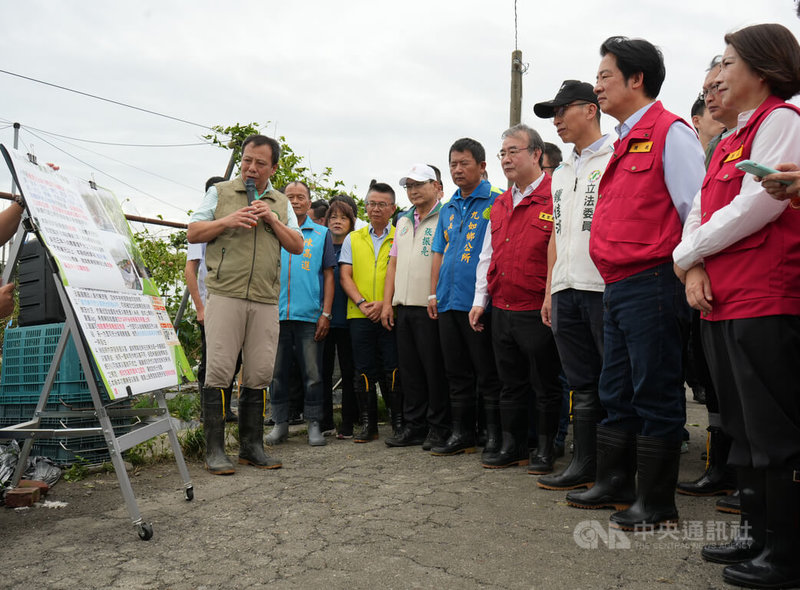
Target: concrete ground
[{"x": 353, "y": 516}]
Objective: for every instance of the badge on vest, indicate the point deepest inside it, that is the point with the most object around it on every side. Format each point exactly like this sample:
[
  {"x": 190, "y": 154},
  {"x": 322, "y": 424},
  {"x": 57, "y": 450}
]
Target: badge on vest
[
  {"x": 641, "y": 147},
  {"x": 545, "y": 216},
  {"x": 735, "y": 155}
]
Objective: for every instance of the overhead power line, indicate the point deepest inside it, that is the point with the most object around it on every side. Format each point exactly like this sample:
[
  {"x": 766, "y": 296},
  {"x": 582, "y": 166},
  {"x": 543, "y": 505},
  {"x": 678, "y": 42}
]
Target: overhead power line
[
  {"x": 96, "y": 169},
  {"x": 116, "y": 102}
]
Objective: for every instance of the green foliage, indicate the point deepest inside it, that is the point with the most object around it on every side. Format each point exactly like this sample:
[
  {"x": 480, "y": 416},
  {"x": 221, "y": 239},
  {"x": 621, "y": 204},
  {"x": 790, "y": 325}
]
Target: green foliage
[
  {"x": 77, "y": 471},
  {"x": 290, "y": 166},
  {"x": 184, "y": 406},
  {"x": 164, "y": 255}
]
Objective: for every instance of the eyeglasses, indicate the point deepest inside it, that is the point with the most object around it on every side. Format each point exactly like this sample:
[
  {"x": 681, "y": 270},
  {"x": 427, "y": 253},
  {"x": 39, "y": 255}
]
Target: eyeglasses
[
  {"x": 410, "y": 186},
  {"x": 376, "y": 205},
  {"x": 559, "y": 111},
  {"x": 512, "y": 152},
  {"x": 713, "y": 89}
]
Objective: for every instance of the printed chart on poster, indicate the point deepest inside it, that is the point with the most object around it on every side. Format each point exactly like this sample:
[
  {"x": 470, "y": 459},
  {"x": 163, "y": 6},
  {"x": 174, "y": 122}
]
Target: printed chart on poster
[{"x": 122, "y": 316}]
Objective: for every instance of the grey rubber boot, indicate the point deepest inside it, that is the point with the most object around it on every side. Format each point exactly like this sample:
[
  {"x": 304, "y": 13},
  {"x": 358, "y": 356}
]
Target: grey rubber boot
[
  {"x": 278, "y": 434},
  {"x": 315, "y": 437}
]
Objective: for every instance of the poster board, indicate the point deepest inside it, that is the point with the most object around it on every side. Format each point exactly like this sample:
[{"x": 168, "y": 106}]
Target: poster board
[{"x": 123, "y": 319}]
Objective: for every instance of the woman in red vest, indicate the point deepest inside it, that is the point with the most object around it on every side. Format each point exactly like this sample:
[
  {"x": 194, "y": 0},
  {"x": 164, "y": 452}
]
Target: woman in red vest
[{"x": 741, "y": 249}]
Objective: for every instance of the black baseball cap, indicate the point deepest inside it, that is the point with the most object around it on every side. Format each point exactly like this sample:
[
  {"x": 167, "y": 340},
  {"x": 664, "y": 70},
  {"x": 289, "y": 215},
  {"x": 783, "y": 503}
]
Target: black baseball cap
[{"x": 570, "y": 91}]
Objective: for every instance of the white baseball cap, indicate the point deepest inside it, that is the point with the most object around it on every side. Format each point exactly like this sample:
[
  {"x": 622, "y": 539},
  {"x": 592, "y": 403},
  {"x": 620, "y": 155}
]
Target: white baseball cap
[{"x": 420, "y": 173}]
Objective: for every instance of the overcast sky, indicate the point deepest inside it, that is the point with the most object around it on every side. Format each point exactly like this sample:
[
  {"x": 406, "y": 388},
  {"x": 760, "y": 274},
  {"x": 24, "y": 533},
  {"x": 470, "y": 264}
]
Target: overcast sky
[{"x": 365, "y": 87}]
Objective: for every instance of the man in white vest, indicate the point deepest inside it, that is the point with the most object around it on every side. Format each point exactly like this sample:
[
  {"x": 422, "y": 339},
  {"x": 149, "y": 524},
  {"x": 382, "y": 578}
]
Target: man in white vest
[
  {"x": 573, "y": 304},
  {"x": 426, "y": 405}
]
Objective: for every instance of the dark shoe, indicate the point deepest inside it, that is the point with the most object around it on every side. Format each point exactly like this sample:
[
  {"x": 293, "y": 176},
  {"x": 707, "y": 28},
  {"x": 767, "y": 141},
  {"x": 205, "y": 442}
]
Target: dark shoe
[
  {"x": 459, "y": 442},
  {"x": 435, "y": 438},
  {"x": 408, "y": 437},
  {"x": 616, "y": 467},
  {"x": 729, "y": 504},
  {"x": 251, "y": 430},
  {"x": 494, "y": 432},
  {"x": 296, "y": 420},
  {"x": 513, "y": 452},
  {"x": 580, "y": 473},
  {"x": 657, "y": 462},
  {"x": 750, "y": 539},
  {"x": 217, "y": 462},
  {"x": 718, "y": 479},
  {"x": 777, "y": 565},
  {"x": 462, "y": 440}
]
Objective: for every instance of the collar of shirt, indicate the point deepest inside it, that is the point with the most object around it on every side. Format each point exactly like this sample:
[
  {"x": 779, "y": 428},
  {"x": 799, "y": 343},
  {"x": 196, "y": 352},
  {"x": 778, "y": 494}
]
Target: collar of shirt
[
  {"x": 625, "y": 127},
  {"x": 383, "y": 234},
  {"x": 743, "y": 118},
  {"x": 589, "y": 150},
  {"x": 483, "y": 190},
  {"x": 266, "y": 190},
  {"x": 517, "y": 196}
]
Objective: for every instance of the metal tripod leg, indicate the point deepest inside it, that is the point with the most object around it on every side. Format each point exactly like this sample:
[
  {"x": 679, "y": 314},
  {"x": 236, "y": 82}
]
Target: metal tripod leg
[{"x": 188, "y": 489}]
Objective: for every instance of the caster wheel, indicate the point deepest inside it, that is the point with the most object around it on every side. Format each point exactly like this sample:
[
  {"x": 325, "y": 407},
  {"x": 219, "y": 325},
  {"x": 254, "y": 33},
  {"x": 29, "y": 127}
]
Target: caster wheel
[
  {"x": 188, "y": 493},
  {"x": 145, "y": 531}
]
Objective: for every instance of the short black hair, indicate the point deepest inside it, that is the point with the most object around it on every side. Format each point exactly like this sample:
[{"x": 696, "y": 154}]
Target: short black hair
[
  {"x": 637, "y": 55},
  {"x": 320, "y": 208},
  {"x": 213, "y": 180},
  {"x": 699, "y": 107},
  {"x": 258, "y": 139},
  {"x": 466, "y": 144},
  {"x": 347, "y": 199},
  {"x": 553, "y": 154},
  {"x": 381, "y": 187}
]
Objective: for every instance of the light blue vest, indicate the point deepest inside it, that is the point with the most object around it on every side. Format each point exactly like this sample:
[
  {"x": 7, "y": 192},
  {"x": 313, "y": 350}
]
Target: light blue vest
[{"x": 301, "y": 276}]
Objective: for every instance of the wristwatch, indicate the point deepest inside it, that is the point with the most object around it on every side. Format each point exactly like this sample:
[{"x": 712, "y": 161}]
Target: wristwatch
[
  {"x": 363, "y": 300},
  {"x": 327, "y": 315}
]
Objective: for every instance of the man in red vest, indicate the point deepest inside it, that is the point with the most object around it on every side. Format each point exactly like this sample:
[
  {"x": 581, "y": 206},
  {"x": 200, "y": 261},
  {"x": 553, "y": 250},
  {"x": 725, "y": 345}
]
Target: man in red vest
[
  {"x": 512, "y": 270},
  {"x": 644, "y": 196}
]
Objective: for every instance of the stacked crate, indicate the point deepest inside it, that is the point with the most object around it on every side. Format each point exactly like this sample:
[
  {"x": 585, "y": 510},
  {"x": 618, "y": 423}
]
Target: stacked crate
[{"x": 27, "y": 354}]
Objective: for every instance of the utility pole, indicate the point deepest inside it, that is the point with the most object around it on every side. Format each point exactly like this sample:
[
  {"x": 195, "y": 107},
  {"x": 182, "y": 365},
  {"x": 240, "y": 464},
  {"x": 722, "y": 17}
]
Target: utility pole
[{"x": 517, "y": 69}]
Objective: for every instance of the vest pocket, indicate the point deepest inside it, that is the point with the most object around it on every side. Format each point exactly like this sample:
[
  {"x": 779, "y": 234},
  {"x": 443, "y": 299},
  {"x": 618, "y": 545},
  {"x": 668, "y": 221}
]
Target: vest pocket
[
  {"x": 633, "y": 231},
  {"x": 221, "y": 259}
]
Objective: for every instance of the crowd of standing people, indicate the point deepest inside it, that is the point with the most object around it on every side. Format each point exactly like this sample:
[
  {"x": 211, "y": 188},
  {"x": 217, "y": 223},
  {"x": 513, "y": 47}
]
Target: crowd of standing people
[{"x": 591, "y": 278}]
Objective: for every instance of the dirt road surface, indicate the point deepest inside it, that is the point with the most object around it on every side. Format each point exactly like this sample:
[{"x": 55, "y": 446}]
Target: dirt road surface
[{"x": 353, "y": 516}]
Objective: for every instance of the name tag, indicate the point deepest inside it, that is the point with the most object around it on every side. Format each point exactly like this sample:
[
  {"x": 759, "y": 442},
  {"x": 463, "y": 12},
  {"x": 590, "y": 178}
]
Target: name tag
[
  {"x": 735, "y": 155},
  {"x": 545, "y": 216},
  {"x": 641, "y": 147}
]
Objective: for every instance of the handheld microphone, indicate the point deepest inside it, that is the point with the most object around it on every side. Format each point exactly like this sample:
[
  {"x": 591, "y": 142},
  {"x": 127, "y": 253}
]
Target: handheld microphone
[{"x": 250, "y": 185}]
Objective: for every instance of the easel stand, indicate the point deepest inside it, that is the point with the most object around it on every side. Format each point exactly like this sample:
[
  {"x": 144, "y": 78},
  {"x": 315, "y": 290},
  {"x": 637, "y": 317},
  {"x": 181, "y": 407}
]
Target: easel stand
[{"x": 31, "y": 430}]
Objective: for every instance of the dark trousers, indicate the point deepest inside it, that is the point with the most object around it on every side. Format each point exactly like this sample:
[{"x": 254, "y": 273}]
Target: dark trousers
[
  {"x": 641, "y": 384},
  {"x": 578, "y": 332},
  {"x": 527, "y": 361},
  {"x": 755, "y": 365},
  {"x": 468, "y": 360},
  {"x": 374, "y": 352},
  {"x": 338, "y": 342},
  {"x": 426, "y": 403}
]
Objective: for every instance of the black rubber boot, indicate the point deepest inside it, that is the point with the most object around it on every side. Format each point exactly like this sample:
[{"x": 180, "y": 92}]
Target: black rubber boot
[
  {"x": 217, "y": 462},
  {"x": 462, "y": 439},
  {"x": 514, "y": 450},
  {"x": 494, "y": 434},
  {"x": 657, "y": 462},
  {"x": 729, "y": 504},
  {"x": 230, "y": 415},
  {"x": 750, "y": 540},
  {"x": 547, "y": 427},
  {"x": 251, "y": 430},
  {"x": 718, "y": 479},
  {"x": 777, "y": 565},
  {"x": 395, "y": 403},
  {"x": 407, "y": 437},
  {"x": 615, "y": 483},
  {"x": 368, "y": 406},
  {"x": 580, "y": 473}
]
